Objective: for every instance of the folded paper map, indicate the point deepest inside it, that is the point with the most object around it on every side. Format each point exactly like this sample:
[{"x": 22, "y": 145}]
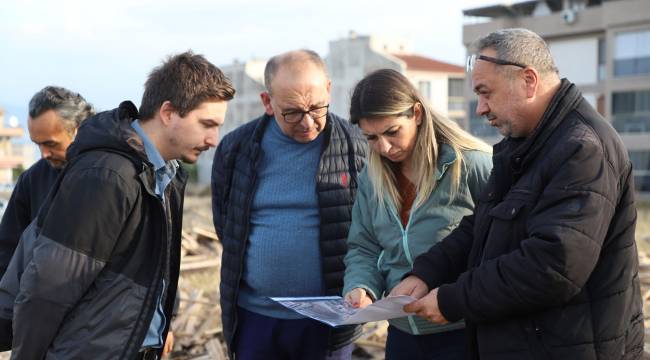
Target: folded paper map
[{"x": 335, "y": 311}]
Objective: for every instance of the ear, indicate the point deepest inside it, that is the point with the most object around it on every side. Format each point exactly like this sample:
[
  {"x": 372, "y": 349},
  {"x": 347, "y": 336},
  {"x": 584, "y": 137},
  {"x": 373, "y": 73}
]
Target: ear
[
  {"x": 417, "y": 113},
  {"x": 166, "y": 111},
  {"x": 266, "y": 101},
  {"x": 531, "y": 81}
]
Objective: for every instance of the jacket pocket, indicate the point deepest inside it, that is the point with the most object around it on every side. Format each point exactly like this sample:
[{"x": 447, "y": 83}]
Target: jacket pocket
[{"x": 508, "y": 227}]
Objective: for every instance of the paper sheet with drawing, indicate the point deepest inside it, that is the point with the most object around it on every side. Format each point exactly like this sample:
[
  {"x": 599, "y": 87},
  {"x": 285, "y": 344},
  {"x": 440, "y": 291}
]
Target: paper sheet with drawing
[{"x": 335, "y": 311}]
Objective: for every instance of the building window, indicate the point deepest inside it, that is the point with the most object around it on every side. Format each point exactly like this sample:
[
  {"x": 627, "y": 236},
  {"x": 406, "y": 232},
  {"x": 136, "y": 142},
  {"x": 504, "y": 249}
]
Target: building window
[
  {"x": 456, "y": 101},
  {"x": 631, "y": 111},
  {"x": 456, "y": 87},
  {"x": 602, "y": 55},
  {"x": 425, "y": 89},
  {"x": 632, "y": 53},
  {"x": 641, "y": 170},
  {"x": 478, "y": 126}
]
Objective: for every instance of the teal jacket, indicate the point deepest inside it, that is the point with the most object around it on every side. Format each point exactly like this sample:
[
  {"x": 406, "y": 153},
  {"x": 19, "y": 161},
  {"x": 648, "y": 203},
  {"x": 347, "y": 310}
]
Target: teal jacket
[{"x": 381, "y": 250}]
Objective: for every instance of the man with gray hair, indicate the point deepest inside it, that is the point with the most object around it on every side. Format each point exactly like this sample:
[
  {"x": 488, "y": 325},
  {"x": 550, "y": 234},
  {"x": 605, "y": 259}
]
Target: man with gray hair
[
  {"x": 283, "y": 186},
  {"x": 55, "y": 113},
  {"x": 546, "y": 267}
]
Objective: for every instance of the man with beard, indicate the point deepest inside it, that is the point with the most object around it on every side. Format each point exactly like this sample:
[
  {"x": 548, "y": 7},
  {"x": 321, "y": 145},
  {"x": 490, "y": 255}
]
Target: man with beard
[
  {"x": 547, "y": 266},
  {"x": 55, "y": 114}
]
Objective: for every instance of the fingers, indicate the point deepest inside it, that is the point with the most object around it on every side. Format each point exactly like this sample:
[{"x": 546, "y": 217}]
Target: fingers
[
  {"x": 354, "y": 297},
  {"x": 427, "y": 307},
  {"x": 411, "y": 286},
  {"x": 413, "y": 307},
  {"x": 365, "y": 301},
  {"x": 169, "y": 344}
]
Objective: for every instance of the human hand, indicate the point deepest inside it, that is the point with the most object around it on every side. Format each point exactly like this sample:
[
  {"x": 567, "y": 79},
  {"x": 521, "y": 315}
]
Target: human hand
[
  {"x": 169, "y": 344},
  {"x": 411, "y": 286},
  {"x": 358, "y": 298},
  {"x": 427, "y": 307}
]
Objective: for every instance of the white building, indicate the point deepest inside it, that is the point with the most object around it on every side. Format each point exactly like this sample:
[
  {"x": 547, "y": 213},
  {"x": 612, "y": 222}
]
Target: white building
[
  {"x": 248, "y": 80},
  {"x": 8, "y": 158},
  {"x": 352, "y": 58}
]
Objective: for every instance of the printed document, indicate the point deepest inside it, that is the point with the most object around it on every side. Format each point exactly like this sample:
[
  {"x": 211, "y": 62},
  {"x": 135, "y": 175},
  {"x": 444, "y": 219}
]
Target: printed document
[{"x": 335, "y": 311}]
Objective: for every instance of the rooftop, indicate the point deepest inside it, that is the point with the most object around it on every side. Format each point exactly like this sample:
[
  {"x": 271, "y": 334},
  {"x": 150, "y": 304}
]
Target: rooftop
[{"x": 423, "y": 63}]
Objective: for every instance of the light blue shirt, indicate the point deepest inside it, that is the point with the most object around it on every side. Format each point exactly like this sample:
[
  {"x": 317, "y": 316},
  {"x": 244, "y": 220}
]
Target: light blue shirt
[
  {"x": 283, "y": 255},
  {"x": 165, "y": 172}
]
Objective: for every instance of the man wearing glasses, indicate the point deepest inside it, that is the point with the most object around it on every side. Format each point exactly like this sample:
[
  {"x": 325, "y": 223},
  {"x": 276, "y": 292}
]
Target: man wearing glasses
[
  {"x": 283, "y": 186},
  {"x": 546, "y": 267}
]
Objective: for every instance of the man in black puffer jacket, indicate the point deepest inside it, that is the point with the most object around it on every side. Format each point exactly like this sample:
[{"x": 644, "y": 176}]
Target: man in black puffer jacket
[
  {"x": 283, "y": 186},
  {"x": 55, "y": 114},
  {"x": 101, "y": 260},
  {"x": 546, "y": 267}
]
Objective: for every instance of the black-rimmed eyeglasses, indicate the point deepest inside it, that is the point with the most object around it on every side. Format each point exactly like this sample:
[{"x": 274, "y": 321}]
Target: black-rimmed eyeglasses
[
  {"x": 471, "y": 61},
  {"x": 295, "y": 116}
]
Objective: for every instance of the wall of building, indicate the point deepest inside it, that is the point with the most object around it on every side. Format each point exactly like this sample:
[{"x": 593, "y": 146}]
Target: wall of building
[
  {"x": 605, "y": 50},
  {"x": 349, "y": 60}
]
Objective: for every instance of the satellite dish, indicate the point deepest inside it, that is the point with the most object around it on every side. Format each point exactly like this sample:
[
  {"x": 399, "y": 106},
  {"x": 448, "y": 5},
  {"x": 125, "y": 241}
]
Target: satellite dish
[
  {"x": 13, "y": 121},
  {"x": 569, "y": 16}
]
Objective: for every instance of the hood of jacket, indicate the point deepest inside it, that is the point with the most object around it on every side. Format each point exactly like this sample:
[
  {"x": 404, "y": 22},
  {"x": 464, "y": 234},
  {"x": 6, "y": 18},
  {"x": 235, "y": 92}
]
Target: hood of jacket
[{"x": 110, "y": 131}]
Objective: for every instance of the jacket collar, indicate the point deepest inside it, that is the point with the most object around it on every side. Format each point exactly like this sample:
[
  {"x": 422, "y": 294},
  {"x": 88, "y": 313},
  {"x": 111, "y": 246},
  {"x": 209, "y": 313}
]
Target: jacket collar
[
  {"x": 446, "y": 157},
  {"x": 565, "y": 100}
]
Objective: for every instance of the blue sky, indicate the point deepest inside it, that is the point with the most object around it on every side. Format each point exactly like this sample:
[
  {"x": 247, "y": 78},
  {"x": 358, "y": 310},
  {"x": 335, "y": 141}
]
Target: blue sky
[{"x": 104, "y": 50}]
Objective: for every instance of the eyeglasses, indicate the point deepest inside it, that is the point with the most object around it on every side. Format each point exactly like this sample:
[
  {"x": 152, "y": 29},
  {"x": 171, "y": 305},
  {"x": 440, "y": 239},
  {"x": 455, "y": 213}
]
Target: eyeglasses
[
  {"x": 471, "y": 61},
  {"x": 296, "y": 116}
]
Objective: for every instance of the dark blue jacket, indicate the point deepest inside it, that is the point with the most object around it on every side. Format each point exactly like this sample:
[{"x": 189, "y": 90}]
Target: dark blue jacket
[{"x": 233, "y": 188}]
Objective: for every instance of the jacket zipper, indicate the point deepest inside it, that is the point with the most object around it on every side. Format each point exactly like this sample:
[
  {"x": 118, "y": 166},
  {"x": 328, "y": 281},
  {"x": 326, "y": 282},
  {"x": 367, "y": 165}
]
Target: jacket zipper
[
  {"x": 156, "y": 281},
  {"x": 407, "y": 253}
]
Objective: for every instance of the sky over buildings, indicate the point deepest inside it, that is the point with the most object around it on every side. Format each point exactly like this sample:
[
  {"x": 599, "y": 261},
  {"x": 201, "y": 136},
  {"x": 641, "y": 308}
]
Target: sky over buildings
[{"x": 104, "y": 50}]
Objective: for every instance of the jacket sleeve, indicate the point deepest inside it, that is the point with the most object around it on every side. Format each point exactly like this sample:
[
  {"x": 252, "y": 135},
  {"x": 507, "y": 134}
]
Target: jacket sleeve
[
  {"x": 363, "y": 249},
  {"x": 566, "y": 228},
  {"x": 218, "y": 184},
  {"x": 77, "y": 237},
  {"x": 479, "y": 168},
  {"x": 16, "y": 218}
]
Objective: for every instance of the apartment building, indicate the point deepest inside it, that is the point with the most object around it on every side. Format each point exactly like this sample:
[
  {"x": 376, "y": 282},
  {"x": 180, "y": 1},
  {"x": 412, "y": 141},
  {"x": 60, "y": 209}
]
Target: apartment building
[{"x": 602, "y": 46}]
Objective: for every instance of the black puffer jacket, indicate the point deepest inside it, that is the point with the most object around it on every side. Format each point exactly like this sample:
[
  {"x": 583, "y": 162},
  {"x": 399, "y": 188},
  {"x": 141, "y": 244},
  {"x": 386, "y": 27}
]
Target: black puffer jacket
[
  {"x": 552, "y": 271},
  {"x": 233, "y": 187},
  {"x": 98, "y": 250},
  {"x": 30, "y": 192}
]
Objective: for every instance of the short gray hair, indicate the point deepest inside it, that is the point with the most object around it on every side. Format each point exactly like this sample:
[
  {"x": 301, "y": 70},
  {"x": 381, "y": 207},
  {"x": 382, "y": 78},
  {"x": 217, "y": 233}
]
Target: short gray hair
[
  {"x": 520, "y": 46},
  {"x": 291, "y": 57},
  {"x": 69, "y": 105}
]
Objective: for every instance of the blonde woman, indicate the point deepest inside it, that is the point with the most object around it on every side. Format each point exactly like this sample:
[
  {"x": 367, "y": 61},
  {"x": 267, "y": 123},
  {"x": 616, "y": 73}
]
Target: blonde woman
[{"x": 424, "y": 174}]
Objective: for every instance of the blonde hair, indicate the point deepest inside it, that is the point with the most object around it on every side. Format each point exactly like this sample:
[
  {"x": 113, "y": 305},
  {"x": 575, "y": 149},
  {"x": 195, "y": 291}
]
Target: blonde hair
[{"x": 387, "y": 92}]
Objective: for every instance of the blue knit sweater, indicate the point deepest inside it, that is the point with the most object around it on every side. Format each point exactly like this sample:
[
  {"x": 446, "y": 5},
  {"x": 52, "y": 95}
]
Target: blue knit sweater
[{"x": 283, "y": 255}]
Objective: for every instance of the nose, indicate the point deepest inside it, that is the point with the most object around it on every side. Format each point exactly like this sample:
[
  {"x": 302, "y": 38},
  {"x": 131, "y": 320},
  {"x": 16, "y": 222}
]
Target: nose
[
  {"x": 482, "y": 107},
  {"x": 307, "y": 121},
  {"x": 45, "y": 152},
  {"x": 213, "y": 138},
  {"x": 382, "y": 146}
]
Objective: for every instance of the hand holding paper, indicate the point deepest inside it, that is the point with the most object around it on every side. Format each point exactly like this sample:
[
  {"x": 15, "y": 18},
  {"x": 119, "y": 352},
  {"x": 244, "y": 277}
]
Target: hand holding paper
[
  {"x": 335, "y": 311},
  {"x": 358, "y": 298}
]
